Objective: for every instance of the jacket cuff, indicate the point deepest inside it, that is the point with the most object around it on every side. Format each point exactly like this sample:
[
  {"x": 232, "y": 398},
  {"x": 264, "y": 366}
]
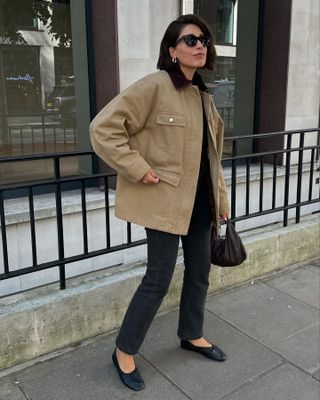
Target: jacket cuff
[
  {"x": 137, "y": 170},
  {"x": 224, "y": 207}
]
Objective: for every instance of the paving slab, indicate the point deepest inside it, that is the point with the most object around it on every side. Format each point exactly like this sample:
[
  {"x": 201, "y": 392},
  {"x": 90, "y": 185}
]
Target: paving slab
[
  {"x": 279, "y": 313},
  {"x": 263, "y": 312},
  {"x": 88, "y": 373},
  {"x": 283, "y": 383},
  {"x": 302, "y": 348},
  {"x": 303, "y": 284},
  {"x": 10, "y": 391},
  {"x": 197, "y": 376}
]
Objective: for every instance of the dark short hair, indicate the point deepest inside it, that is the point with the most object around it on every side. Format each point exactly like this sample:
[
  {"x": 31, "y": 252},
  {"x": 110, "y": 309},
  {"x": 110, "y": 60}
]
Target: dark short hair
[{"x": 170, "y": 39}]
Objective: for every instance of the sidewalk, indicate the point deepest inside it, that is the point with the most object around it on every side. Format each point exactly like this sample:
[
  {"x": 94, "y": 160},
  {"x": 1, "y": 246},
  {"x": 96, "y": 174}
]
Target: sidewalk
[{"x": 268, "y": 328}]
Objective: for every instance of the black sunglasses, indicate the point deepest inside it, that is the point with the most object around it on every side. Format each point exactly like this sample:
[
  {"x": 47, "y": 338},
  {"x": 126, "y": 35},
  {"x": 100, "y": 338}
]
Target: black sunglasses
[{"x": 191, "y": 40}]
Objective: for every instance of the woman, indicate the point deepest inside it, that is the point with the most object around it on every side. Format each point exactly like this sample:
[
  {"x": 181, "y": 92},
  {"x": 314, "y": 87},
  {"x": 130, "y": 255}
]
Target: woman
[{"x": 164, "y": 137}]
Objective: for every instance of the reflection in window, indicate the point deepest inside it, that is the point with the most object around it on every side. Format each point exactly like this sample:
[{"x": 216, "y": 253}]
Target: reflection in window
[
  {"x": 22, "y": 85},
  {"x": 37, "y": 99},
  {"x": 225, "y": 68},
  {"x": 225, "y": 22},
  {"x": 221, "y": 85},
  {"x": 221, "y": 15}
]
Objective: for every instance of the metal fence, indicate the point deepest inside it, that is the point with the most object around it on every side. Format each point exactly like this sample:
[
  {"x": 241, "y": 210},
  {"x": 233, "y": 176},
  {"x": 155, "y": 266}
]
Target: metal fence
[
  {"x": 294, "y": 143},
  {"x": 296, "y": 146}
]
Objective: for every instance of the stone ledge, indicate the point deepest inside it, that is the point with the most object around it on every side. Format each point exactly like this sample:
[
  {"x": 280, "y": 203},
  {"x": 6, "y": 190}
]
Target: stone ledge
[
  {"x": 46, "y": 319},
  {"x": 17, "y": 210}
]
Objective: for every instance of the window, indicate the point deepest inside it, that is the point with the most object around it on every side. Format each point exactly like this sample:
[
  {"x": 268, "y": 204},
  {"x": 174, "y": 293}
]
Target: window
[
  {"x": 39, "y": 108},
  {"x": 221, "y": 15},
  {"x": 225, "y": 22},
  {"x": 234, "y": 25}
]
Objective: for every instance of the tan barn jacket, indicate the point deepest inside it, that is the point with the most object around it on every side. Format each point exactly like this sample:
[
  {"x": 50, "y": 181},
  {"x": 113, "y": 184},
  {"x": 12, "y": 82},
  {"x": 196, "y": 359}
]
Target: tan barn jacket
[{"x": 158, "y": 123}]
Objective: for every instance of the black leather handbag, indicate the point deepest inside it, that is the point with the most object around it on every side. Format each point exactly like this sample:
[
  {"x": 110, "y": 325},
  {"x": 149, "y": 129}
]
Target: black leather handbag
[{"x": 228, "y": 251}]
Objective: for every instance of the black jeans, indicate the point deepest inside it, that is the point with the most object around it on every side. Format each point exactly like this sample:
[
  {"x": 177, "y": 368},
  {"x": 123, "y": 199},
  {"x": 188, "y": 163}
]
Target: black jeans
[{"x": 162, "y": 256}]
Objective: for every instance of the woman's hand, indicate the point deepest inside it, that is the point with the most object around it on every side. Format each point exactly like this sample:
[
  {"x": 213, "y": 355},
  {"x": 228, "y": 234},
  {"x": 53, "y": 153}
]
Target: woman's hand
[
  {"x": 150, "y": 178},
  {"x": 224, "y": 217}
]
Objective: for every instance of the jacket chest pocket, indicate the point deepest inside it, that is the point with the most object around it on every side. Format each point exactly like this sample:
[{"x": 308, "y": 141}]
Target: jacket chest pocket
[
  {"x": 171, "y": 119},
  {"x": 170, "y": 130}
]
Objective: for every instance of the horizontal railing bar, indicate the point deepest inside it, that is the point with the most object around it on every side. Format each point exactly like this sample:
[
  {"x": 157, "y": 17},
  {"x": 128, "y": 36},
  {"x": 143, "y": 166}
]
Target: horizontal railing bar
[
  {"x": 46, "y": 156},
  {"x": 247, "y": 136},
  {"x": 91, "y": 152},
  {"x": 39, "y": 114},
  {"x": 270, "y": 153},
  {"x": 68, "y": 260},
  {"x": 271, "y": 134},
  {"x": 275, "y": 210},
  {"x": 54, "y": 181}
]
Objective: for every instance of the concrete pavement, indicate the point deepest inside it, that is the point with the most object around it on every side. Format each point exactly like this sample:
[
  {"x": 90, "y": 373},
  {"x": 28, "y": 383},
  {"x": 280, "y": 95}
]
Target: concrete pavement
[{"x": 269, "y": 329}]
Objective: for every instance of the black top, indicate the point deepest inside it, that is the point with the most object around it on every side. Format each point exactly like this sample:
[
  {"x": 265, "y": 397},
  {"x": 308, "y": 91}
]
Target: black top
[
  {"x": 204, "y": 152},
  {"x": 180, "y": 80}
]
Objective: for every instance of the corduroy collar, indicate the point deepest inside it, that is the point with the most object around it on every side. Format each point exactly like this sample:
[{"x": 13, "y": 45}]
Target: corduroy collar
[{"x": 179, "y": 80}]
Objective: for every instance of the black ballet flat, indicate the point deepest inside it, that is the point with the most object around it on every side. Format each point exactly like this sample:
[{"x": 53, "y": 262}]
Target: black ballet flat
[
  {"x": 213, "y": 352},
  {"x": 132, "y": 380}
]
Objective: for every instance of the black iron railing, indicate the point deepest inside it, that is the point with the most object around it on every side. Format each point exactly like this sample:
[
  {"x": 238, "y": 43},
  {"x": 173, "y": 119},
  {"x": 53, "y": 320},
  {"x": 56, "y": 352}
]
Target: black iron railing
[
  {"x": 275, "y": 158},
  {"x": 280, "y": 160}
]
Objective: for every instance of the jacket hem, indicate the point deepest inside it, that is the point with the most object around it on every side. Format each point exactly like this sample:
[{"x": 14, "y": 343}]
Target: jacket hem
[{"x": 163, "y": 228}]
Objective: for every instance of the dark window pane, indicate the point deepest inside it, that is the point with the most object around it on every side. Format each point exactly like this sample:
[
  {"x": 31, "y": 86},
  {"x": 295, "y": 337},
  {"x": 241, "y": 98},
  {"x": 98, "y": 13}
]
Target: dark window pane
[
  {"x": 37, "y": 93},
  {"x": 232, "y": 83},
  {"x": 220, "y": 15},
  {"x": 225, "y": 19}
]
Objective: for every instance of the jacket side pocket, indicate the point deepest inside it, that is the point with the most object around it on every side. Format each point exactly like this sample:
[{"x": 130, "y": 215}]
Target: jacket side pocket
[{"x": 169, "y": 177}]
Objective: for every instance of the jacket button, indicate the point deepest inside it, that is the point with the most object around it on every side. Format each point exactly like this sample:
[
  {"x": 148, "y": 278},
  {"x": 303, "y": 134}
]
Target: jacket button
[{"x": 170, "y": 119}]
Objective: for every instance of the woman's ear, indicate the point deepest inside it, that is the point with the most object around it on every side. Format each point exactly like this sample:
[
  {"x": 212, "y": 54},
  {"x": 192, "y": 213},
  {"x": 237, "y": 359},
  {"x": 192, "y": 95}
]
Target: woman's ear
[{"x": 172, "y": 52}]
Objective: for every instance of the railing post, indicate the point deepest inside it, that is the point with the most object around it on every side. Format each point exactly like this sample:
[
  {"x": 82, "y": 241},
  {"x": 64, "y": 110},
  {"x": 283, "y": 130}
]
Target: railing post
[
  {"x": 129, "y": 238},
  {"x": 4, "y": 235},
  {"x": 274, "y": 181},
  {"x": 62, "y": 270},
  {"x": 233, "y": 180},
  {"x": 287, "y": 179},
  {"x": 299, "y": 181},
  {"x": 84, "y": 217},
  {"x": 247, "y": 186},
  {"x": 106, "y": 201},
  {"x": 261, "y": 184},
  {"x": 311, "y": 174},
  {"x": 32, "y": 227}
]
